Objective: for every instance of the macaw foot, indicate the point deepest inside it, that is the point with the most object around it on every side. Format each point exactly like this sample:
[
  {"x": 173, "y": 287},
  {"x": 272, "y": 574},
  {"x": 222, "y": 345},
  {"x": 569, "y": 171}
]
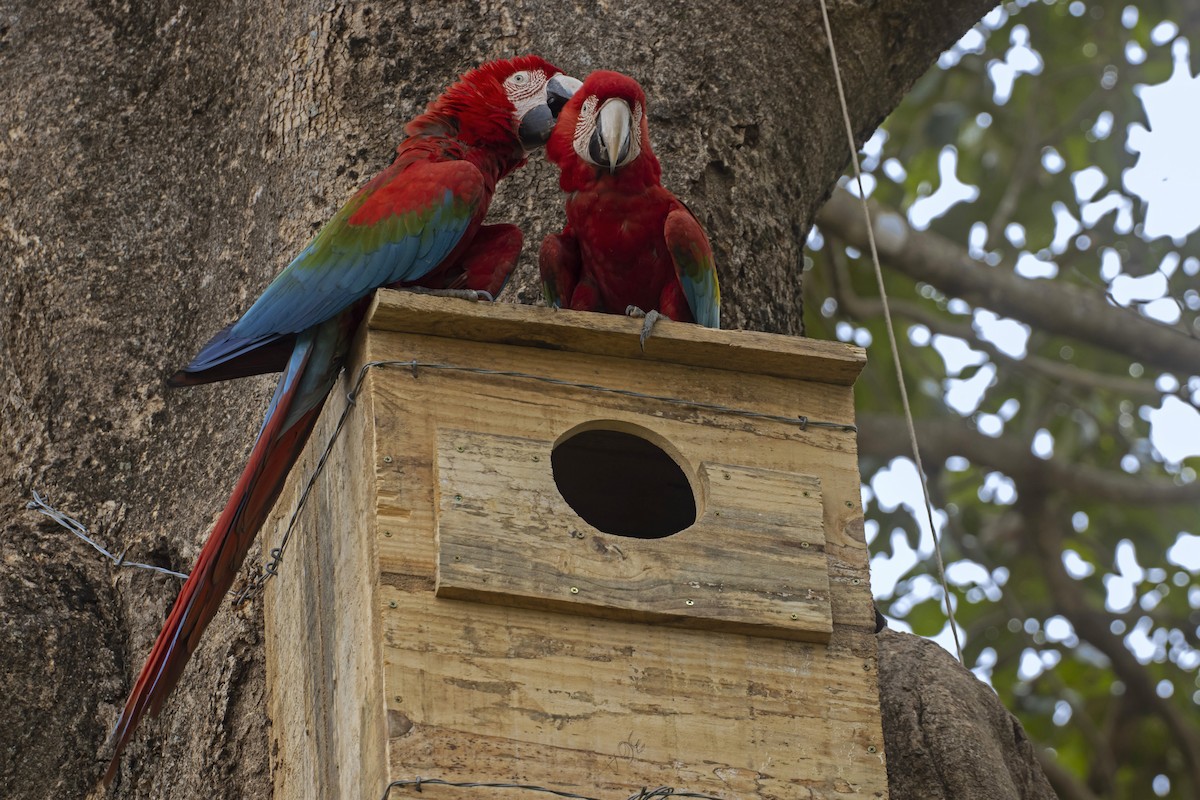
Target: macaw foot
[
  {"x": 474, "y": 295},
  {"x": 648, "y": 326}
]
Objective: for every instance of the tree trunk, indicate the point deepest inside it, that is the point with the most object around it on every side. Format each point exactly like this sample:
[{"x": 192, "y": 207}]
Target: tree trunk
[{"x": 160, "y": 162}]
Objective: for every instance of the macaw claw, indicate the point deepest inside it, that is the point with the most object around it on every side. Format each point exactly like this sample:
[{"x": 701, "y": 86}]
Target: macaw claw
[{"x": 648, "y": 326}]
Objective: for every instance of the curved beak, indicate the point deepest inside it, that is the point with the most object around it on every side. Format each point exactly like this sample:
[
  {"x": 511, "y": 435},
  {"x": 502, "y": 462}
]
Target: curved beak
[
  {"x": 538, "y": 122},
  {"x": 559, "y": 90},
  {"x": 614, "y": 127}
]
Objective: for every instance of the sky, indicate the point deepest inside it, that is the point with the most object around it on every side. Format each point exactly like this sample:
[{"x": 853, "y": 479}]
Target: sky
[{"x": 1164, "y": 178}]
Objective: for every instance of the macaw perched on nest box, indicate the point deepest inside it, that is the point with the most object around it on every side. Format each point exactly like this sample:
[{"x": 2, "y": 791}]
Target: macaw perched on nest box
[
  {"x": 417, "y": 223},
  {"x": 630, "y": 246}
]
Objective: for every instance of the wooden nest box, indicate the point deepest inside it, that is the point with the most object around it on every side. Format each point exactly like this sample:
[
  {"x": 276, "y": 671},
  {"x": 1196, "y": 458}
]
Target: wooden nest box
[{"x": 537, "y": 555}]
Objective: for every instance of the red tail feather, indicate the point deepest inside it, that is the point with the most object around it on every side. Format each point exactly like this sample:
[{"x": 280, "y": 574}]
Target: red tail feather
[{"x": 203, "y": 592}]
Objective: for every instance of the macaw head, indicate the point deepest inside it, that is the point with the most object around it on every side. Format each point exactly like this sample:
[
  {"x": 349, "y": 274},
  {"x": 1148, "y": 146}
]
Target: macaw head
[
  {"x": 603, "y": 129},
  {"x": 500, "y": 104}
]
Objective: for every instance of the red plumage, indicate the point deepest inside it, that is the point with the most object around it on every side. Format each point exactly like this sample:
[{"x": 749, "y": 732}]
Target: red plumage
[{"x": 628, "y": 241}]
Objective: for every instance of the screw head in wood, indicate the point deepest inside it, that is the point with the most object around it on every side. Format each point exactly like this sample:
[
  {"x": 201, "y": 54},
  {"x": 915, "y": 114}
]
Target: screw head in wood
[
  {"x": 574, "y": 590},
  {"x": 689, "y": 602},
  {"x": 392, "y": 603},
  {"x": 387, "y": 459}
]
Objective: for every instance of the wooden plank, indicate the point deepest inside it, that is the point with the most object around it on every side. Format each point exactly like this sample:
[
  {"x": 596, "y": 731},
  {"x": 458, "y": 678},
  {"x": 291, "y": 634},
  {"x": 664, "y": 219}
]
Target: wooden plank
[
  {"x": 602, "y": 707},
  {"x": 754, "y": 562},
  {"x": 322, "y": 622},
  {"x": 747, "y": 352}
]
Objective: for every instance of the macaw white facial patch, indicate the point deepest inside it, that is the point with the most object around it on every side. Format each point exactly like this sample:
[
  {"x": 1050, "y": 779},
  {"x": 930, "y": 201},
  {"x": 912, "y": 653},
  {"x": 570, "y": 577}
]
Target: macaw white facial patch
[{"x": 526, "y": 90}]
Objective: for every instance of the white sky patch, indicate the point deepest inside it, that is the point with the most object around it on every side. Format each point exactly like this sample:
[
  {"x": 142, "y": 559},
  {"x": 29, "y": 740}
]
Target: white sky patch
[
  {"x": 868, "y": 185},
  {"x": 872, "y": 149},
  {"x": 887, "y": 571},
  {"x": 976, "y": 240},
  {"x": 1021, "y": 59},
  {"x": 1087, "y": 182},
  {"x": 972, "y": 41},
  {"x": 1103, "y": 125},
  {"x": 1185, "y": 552},
  {"x": 1127, "y": 289},
  {"x": 1168, "y": 166},
  {"x": 1032, "y": 267},
  {"x": 1175, "y": 430},
  {"x": 957, "y": 354},
  {"x": 1165, "y": 310},
  {"x": 894, "y": 170},
  {"x": 1065, "y": 227},
  {"x": 998, "y": 488},
  {"x": 1009, "y": 336},
  {"x": 1015, "y": 233},
  {"x": 1052, "y": 162},
  {"x": 1076, "y": 565},
  {"x": 1059, "y": 629},
  {"x": 1134, "y": 52},
  {"x": 1164, "y": 32},
  {"x": 919, "y": 335},
  {"x": 985, "y": 664},
  {"x": 1043, "y": 444},
  {"x": 964, "y": 396},
  {"x": 1110, "y": 264},
  {"x": 989, "y": 425},
  {"x": 1119, "y": 594},
  {"x": 897, "y": 485},
  {"x": 1139, "y": 643},
  {"x": 950, "y": 192},
  {"x": 1093, "y": 212}
]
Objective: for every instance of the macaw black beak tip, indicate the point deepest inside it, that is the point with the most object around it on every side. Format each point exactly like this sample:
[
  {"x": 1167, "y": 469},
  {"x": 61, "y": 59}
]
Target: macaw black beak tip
[
  {"x": 538, "y": 123},
  {"x": 559, "y": 90},
  {"x": 536, "y": 126}
]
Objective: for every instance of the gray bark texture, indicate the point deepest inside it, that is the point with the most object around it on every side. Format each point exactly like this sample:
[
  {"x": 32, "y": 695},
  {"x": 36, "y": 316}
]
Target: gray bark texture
[
  {"x": 946, "y": 734},
  {"x": 160, "y": 162}
]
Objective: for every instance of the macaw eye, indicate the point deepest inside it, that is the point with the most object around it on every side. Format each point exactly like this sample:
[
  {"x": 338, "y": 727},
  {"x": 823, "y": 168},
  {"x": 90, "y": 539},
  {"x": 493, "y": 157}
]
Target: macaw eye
[{"x": 519, "y": 78}]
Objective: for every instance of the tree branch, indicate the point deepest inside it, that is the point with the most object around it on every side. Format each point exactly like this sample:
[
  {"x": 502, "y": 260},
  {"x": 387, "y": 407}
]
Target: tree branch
[
  {"x": 864, "y": 308},
  {"x": 1044, "y": 536},
  {"x": 884, "y": 436},
  {"x": 1054, "y": 307}
]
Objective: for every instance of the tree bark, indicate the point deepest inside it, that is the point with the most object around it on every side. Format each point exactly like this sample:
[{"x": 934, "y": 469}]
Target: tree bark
[
  {"x": 160, "y": 162},
  {"x": 946, "y": 734}
]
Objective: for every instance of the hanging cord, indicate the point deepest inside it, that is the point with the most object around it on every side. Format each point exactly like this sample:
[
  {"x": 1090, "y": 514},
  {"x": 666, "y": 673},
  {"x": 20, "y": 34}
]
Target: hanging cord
[{"x": 891, "y": 331}]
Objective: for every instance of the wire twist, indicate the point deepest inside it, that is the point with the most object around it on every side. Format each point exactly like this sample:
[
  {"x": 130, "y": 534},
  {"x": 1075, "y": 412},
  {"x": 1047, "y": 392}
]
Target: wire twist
[{"x": 644, "y": 793}]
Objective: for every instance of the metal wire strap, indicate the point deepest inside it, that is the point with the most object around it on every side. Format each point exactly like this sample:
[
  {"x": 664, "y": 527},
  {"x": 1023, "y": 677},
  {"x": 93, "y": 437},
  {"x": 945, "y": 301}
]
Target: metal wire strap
[
  {"x": 271, "y": 567},
  {"x": 643, "y": 794},
  {"x": 891, "y": 331},
  {"x": 39, "y": 504}
]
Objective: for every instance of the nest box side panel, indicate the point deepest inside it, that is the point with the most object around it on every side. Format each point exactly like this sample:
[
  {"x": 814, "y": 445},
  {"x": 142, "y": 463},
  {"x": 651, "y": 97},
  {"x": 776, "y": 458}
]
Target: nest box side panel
[
  {"x": 755, "y": 557},
  {"x": 322, "y": 623},
  {"x": 487, "y": 691}
]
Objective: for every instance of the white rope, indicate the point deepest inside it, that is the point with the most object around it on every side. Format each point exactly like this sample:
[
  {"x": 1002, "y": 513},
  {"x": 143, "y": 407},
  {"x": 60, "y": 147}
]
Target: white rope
[{"x": 891, "y": 331}]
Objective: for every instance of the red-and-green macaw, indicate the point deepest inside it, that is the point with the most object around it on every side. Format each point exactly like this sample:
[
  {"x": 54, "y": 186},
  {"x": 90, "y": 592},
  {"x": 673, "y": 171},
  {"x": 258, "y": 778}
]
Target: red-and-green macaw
[
  {"x": 417, "y": 223},
  {"x": 629, "y": 246}
]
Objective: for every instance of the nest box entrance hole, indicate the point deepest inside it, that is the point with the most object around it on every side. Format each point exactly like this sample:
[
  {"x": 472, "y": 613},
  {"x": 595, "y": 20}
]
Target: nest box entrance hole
[{"x": 622, "y": 479}]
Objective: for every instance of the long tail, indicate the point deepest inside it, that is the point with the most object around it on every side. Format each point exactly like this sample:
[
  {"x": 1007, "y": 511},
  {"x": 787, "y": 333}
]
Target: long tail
[{"x": 306, "y": 382}]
